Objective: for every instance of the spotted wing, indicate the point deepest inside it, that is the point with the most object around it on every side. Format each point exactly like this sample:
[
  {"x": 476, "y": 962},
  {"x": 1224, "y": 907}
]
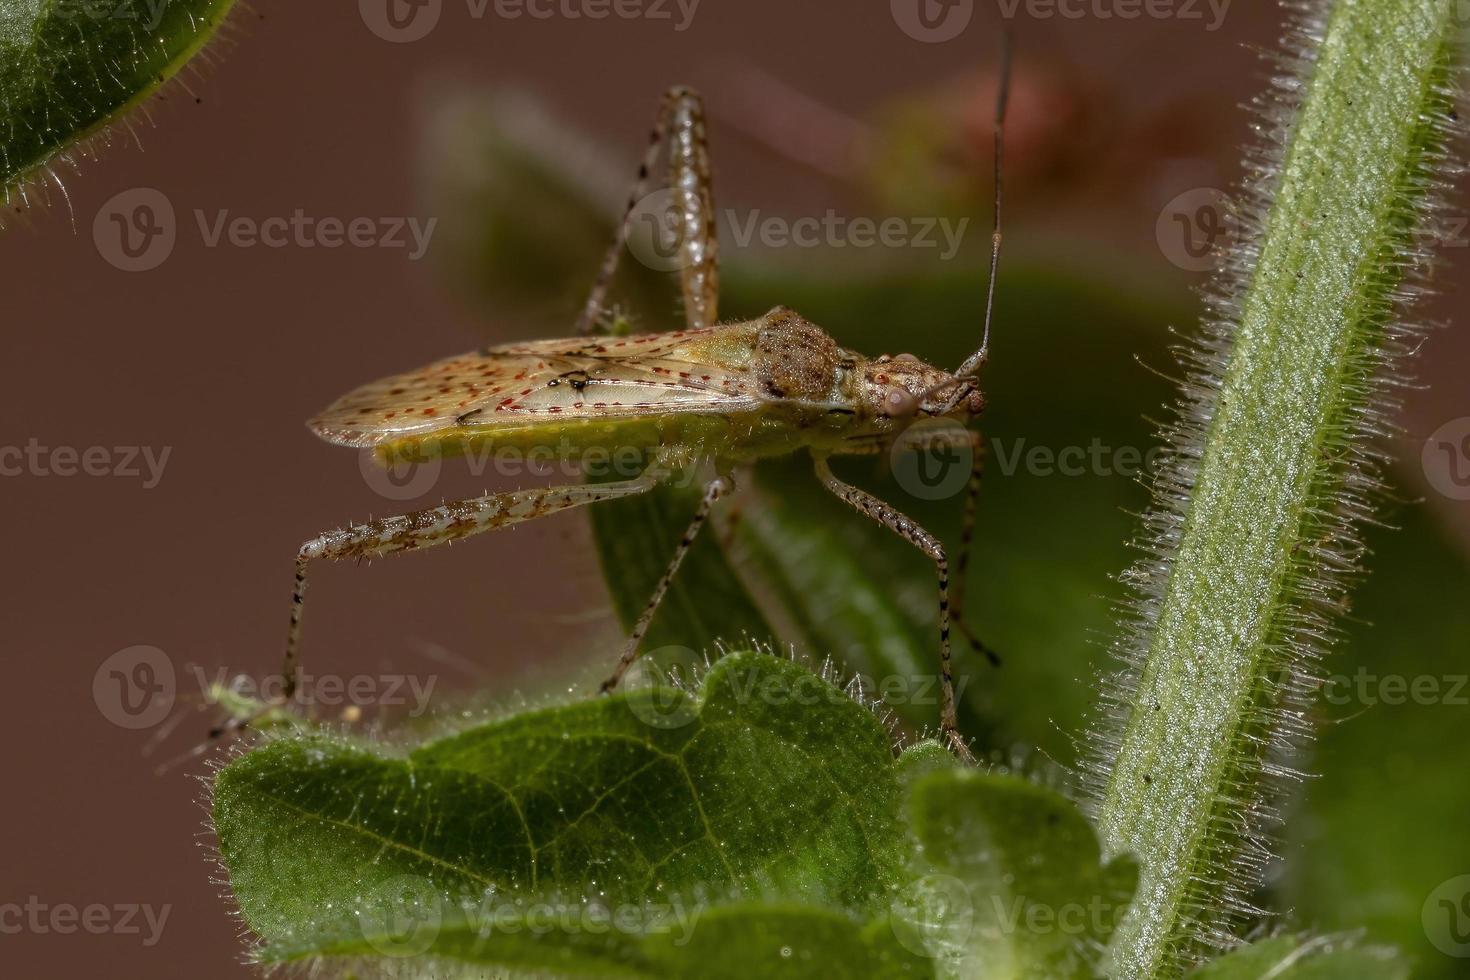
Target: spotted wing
[{"x": 545, "y": 381}]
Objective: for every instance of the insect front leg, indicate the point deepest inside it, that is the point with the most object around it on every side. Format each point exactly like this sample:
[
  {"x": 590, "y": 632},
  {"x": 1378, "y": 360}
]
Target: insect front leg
[
  {"x": 976, "y": 444},
  {"x": 713, "y": 491},
  {"x": 906, "y": 528},
  {"x": 967, "y": 538},
  {"x": 427, "y": 528},
  {"x": 681, "y": 125}
]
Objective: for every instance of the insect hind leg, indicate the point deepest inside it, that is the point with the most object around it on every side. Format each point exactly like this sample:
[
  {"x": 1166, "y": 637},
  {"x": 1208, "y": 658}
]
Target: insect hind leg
[
  {"x": 906, "y": 528},
  {"x": 427, "y": 528},
  {"x": 713, "y": 491},
  {"x": 681, "y": 128}
]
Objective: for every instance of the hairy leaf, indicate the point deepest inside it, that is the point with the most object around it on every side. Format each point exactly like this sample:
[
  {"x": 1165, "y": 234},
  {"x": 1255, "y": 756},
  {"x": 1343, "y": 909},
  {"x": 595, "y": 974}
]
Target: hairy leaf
[{"x": 70, "y": 67}]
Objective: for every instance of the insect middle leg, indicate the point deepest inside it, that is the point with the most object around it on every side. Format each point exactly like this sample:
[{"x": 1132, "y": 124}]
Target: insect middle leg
[
  {"x": 681, "y": 125},
  {"x": 433, "y": 526},
  {"x": 910, "y": 531},
  {"x": 713, "y": 491}
]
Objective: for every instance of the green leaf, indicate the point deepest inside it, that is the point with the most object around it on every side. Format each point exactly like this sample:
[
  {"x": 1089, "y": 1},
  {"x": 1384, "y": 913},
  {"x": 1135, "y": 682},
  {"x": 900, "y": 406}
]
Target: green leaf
[
  {"x": 1291, "y": 958},
  {"x": 70, "y": 67},
  {"x": 1252, "y": 541},
  {"x": 1018, "y": 875},
  {"x": 760, "y": 828},
  {"x": 773, "y": 784}
]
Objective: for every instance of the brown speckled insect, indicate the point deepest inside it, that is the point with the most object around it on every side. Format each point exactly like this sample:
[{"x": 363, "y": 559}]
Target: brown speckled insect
[{"x": 729, "y": 393}]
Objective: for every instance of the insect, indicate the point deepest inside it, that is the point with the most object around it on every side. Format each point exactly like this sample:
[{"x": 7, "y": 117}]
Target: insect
[{"x": 726, "y": 393}]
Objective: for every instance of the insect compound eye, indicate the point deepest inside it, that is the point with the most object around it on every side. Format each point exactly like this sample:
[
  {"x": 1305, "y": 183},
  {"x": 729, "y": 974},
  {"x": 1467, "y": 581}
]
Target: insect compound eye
[
  {"x": 907, "y": 357},
  {"x": 898, "y": 403}
]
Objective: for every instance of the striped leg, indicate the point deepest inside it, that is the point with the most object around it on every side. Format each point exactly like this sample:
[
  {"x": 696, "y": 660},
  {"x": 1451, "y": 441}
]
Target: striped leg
[
  {"x": 713, "y": 491},
  {"x": 915, "y": 535},
  {"x": 437, "y": 525},
  {"x": 976, "y": 442},
  {"x": 681, "y": 126},
  {"x": 967, "y": 538}
]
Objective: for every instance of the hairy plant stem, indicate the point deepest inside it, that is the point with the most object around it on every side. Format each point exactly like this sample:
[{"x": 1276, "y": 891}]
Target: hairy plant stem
[{"x": 1251, "y": 542}]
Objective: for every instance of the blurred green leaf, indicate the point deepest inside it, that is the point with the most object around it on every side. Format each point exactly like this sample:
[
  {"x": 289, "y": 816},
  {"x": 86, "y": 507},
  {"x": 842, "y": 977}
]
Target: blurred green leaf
[
  {"x": 1383, "y": 827},
  {"x": 70, "y": 67},
  {"x": 1020, "y": 880},
  {"x": 1292, "y": 958}
]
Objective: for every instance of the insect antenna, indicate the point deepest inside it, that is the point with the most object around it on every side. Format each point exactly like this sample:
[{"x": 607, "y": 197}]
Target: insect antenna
[{"x": 972, "y": 364}]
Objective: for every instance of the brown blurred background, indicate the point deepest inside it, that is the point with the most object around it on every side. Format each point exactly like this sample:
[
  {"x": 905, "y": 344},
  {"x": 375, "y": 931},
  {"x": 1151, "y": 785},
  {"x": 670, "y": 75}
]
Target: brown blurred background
[{"x": 218, "y": 354}]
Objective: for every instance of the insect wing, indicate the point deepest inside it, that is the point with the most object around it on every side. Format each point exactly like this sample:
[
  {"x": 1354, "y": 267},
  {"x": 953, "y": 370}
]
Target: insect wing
[{"x": 542, "y": 381}]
